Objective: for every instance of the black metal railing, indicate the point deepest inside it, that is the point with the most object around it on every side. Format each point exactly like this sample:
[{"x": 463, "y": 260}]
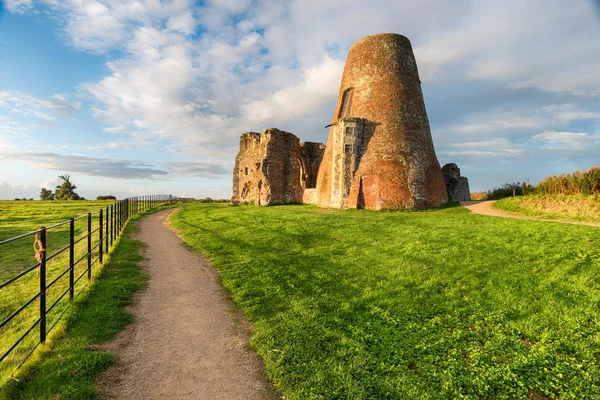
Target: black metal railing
[{"x": 106, "y": 224}]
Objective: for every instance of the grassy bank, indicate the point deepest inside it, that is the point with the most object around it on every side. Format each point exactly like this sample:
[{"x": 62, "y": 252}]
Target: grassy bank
[
  {"x": 64, "y": 368},
  {"x": 410, "y": 305},
  {"x": 565, "y": 207}
]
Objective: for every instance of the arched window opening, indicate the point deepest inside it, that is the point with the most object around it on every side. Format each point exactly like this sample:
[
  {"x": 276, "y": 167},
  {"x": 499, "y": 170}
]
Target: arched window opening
[{"x": 346, "y": 108}]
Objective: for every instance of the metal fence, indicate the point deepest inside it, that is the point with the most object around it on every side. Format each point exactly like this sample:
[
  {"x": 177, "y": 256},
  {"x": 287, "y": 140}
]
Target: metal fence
[{"x": 99, "y": 234}]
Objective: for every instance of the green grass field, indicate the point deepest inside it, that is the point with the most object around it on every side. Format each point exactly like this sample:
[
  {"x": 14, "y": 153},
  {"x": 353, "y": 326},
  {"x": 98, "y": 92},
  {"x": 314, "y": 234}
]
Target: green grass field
[
  {"x": 410, "y": 305},
  {"x": 65, "y": 368},
  {"x": 565, "y": 207},
  {"x": 18, "y": 217}
]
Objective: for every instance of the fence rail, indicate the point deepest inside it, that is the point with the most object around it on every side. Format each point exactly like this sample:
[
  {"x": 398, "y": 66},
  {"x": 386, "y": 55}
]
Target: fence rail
[{"x": 109, "y": 225}]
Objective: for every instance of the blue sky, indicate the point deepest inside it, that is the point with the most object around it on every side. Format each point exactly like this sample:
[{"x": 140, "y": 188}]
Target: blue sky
[{"x": 137, "y": 97}]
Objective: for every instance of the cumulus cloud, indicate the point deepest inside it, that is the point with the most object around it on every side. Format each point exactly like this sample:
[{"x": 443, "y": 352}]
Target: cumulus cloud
[
  {"x": 198, "y": 75},
  {"x": 50, "y": 184}
]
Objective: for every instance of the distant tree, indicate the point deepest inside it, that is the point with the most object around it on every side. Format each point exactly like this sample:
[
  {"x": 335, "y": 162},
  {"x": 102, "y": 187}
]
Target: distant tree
[
  {"x": 46, "y": 194},
  {"x": 107, "y": 197},
  {"x": 17, "y": 199},
  {"x": 30, "y": 199},
  {"x": 66, "y": 191}
]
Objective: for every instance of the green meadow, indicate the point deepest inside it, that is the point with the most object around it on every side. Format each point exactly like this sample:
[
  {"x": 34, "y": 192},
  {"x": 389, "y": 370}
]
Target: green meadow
[
  {"x": 409, "y": 305},
  {"x": 19, "y": 217},
  {"x": 438, "y": 304},
  {"x": 65, "y": 368},
  {"x": 575, "y": 207}
]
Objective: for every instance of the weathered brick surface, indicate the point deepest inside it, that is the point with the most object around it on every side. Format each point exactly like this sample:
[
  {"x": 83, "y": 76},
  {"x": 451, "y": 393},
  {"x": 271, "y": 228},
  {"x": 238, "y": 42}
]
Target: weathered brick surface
[
  {"x": 395, "y": 162},
  {"x": 273, "y": 167}
]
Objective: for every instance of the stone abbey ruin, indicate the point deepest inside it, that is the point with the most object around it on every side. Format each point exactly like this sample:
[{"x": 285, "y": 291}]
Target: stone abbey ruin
[{"x": 379, "y": 153}]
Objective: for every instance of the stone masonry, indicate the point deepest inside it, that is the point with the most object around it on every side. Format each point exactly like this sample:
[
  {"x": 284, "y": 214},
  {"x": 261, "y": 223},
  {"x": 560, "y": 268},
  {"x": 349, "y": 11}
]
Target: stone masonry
[
  {"x": 273, "y": 167},
  {"x": 457, "y": 186},
  {"x": 379, "y": 152}
]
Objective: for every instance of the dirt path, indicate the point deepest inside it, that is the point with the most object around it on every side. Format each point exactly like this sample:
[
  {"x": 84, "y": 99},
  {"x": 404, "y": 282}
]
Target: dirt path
[
  {"x": 485, "y": 208},
  {"x": 188, "y": 341}
]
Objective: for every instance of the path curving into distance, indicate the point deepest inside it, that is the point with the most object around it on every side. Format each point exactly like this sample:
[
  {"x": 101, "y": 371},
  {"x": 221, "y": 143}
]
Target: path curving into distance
[
  {"x": 188, "y": 341},
  {"x": 485, "y": 208}
]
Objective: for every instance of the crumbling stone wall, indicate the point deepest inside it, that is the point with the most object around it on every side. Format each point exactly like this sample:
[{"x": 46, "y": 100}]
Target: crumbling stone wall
[
  {"x": 391, "y": 161},
  {"x": 457, "y": 186},
  {"x": 269, "y": 167}
]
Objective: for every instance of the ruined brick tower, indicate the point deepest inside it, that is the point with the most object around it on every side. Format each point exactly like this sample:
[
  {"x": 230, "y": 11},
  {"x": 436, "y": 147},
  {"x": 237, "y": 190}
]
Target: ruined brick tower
[
  {"x": 379, "y": 153},
  {"x": 273, "y": 167}
]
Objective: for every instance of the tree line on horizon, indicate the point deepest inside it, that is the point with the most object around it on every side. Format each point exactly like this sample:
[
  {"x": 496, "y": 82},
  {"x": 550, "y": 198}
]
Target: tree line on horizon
[{"x": 578, "y": 182}]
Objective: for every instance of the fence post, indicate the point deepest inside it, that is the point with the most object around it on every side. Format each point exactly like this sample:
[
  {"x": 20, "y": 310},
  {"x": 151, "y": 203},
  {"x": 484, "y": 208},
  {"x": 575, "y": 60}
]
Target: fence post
[
  {"x": 43, "y": 285},
  {"x": 106, "y": 222},
  {"x": 89, "y": 243},
  {"x": 114, "y": 226},
  {"x": 100, "y": 239},
  {"x": 110, "y": 225},
  {"x": 72, "y": 258}
]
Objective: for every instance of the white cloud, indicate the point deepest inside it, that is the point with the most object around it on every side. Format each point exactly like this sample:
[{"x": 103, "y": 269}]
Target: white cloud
[
  {"x": 197, "y": 76},
  {"x": 570, "y": 112},
  {"x": 18, "y": 6},
  {"x": 10, "y": 191},
  {"x": 94, "y": 166},
  {"x": 50, "y": 184},
  {"x": 494, "y": 147},
  {"x": 499, "y": 125},
  {"x": 196, "y": 169},
  {"x": 572, "y": 140},
  {"x": 318, "y": 85},
  {"x": 27, "y": 105},
  {"x": 112, "y": 167}
]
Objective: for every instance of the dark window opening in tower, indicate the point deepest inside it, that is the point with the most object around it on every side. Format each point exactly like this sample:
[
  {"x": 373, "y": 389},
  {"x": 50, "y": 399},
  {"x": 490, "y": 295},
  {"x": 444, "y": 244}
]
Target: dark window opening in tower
[
  {"x": 349, "y": 131},
  {"x": 246, "y": 170},
  {"x": 348, "y": 148},
  {"x": 345, "y": 110}
]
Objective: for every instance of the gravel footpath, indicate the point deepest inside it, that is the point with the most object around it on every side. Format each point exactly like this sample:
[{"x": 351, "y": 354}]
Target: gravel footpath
[
  {"x": 485, "y": 208},
  {"x": 188, "y": 341}
]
